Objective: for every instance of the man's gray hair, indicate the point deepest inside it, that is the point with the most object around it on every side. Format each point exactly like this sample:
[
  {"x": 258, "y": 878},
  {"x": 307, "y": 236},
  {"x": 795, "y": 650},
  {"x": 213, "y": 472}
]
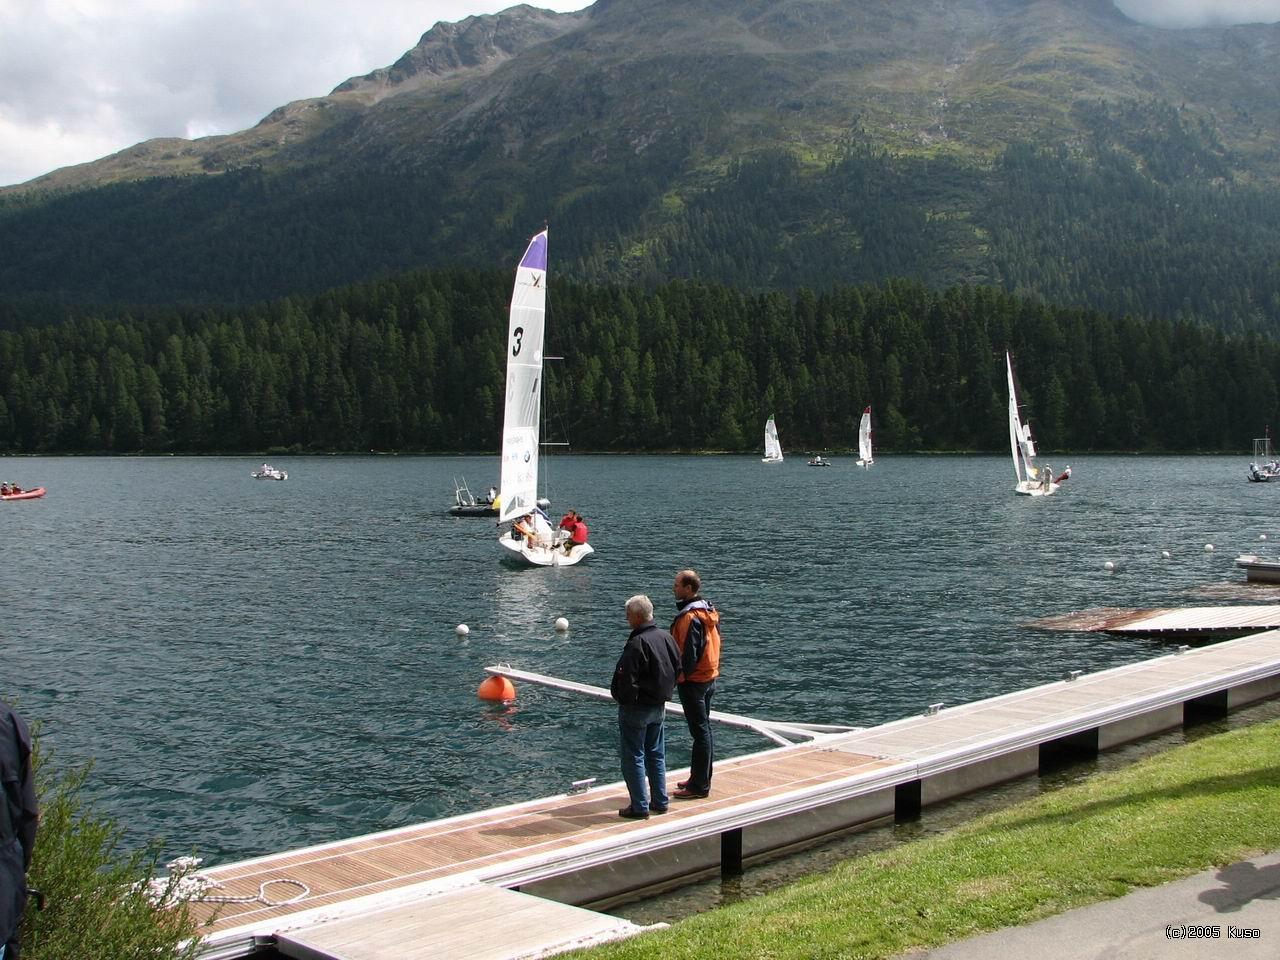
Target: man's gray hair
[{"x": 641, "y": 606}]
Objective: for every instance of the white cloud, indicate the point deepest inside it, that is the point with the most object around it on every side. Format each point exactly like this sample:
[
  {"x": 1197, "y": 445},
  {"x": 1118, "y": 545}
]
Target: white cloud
[
  {"x": 1200, "y": 13},
  {"x": 80, "y": 79}
]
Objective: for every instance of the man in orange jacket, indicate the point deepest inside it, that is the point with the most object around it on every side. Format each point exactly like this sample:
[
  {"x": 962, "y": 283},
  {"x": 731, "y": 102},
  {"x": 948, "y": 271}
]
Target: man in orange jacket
[{"x": 696, "y": 630}]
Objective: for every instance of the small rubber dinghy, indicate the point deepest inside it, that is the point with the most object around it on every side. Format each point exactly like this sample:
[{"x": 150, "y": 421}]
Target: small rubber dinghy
[{"x": 35, "y": 494}]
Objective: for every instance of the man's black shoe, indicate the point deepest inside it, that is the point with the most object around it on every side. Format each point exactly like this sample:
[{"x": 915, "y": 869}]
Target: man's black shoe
[{"x": 627, "y": 813}]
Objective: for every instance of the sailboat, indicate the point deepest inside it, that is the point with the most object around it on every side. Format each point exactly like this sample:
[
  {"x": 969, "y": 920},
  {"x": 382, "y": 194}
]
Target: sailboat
[
  {"x": 864, "y": 440},
  {"x": 772, "y": 448},
  {"x": 536, "y": 545},
  {"x": 1032, "y": 481}
]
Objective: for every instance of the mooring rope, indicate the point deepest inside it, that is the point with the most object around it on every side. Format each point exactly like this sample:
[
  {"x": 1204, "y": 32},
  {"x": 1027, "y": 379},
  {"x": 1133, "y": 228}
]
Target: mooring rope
[{"x": 261, "y": 895}]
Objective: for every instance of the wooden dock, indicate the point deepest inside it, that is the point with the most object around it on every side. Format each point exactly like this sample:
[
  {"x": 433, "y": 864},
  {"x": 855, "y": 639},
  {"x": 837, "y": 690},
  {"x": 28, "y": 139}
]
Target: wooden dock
[
  {"x": 1187, "y": 623},
  {"x": 434, "y": 889}
]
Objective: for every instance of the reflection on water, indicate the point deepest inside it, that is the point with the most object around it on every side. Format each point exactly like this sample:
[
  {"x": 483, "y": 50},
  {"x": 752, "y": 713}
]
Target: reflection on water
[{"x": 258, "y": 666}]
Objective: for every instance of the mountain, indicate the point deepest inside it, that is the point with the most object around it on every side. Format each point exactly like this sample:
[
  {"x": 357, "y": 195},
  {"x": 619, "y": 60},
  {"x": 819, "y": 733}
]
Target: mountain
[{"x": 1047, "y": 146}]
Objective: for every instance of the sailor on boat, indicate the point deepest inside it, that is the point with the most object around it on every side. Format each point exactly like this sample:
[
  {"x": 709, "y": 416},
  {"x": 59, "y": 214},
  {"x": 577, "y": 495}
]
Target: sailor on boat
[{"x": 534, "y": 527}]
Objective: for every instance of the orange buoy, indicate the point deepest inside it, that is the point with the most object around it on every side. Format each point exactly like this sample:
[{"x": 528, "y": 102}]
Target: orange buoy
[{"x": 497, "y": 689}]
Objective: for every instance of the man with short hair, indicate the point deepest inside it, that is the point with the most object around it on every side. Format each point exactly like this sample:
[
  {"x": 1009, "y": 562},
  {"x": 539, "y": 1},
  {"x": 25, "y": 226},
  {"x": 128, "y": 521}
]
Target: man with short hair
[
  {"x": 18, "y": 819},
  {"x": 696, "y": 630},
  {"x": 642, "y": 684}
]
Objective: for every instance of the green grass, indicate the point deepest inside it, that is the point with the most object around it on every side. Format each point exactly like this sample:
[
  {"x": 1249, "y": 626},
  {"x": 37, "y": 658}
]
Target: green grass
[{"x": 1207, "y": 803}]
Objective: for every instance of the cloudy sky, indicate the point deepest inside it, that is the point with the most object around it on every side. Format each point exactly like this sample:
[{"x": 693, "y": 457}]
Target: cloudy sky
[{"x": 80, "y": 79}]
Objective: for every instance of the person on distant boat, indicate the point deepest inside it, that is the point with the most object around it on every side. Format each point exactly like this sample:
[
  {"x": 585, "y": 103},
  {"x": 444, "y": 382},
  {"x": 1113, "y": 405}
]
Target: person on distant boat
[
  {"x": 492, "y": 495},
  {"x": 696, "y": 630},
  {"x": 4, "y": 489},
  {"x": 642, "y": 684},
  {"x": 13, "y": 487},
  {"x": 19, "y": 818},
  {"x": 1046, "y": 477}
]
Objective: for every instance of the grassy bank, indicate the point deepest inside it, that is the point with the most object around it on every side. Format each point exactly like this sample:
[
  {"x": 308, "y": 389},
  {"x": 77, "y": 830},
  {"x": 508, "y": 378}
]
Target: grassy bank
[{"x": 1211, "y": 802}]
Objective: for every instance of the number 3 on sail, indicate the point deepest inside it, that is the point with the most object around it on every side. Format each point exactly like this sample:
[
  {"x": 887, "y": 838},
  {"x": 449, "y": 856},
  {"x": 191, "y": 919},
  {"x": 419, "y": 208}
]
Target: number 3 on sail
[{"x": 531, "y": 539}]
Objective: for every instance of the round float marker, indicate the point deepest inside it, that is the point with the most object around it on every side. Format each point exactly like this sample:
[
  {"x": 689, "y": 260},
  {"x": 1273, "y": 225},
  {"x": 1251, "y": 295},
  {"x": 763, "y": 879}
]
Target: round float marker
[
  {"x": 1208, "y": 548},
  {"x": 562, "y": 624},
  {"x": 1164, "y": 554},
  {"x": 1262, "y": 536},
  {"x": 462, "y": 630},
  {"x": 496, "y": 690},
  {"x": 1108, "y": 566}
]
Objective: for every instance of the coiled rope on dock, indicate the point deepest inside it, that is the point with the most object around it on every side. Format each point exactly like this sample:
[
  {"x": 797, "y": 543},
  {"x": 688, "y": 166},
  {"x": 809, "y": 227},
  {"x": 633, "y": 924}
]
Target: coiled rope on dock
[{"x": 260, "y": 896}]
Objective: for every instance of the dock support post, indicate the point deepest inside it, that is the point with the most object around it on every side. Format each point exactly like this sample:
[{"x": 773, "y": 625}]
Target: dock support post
[
  {"x": 1065, "y": 750},
  {"x": 1212, "y": 706},
  {"x": 731, "y": 853},
  {"x": 907, "y": 802}
]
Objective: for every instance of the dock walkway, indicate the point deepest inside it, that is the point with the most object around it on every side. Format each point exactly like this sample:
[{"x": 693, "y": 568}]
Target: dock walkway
[{"x": 575, "y": 850}]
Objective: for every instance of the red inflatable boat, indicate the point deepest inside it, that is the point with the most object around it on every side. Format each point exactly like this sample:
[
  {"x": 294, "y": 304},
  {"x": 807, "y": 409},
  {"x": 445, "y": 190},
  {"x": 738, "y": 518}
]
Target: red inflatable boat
[{"x": 24, "y": 495}]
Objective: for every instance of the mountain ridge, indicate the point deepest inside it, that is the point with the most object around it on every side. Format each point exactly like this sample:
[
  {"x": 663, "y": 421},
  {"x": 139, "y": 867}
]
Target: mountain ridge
[{"x": 647, "y": 129}]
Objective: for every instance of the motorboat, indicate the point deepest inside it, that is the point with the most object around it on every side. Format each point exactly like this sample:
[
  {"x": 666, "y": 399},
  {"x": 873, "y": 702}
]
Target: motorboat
[
  {"x": 33, "y": 494},
  {"x": 268, "y": 472},
  {"x": 1265, "y": 467},
  {"x": 467, "y": 504},
  {"x": 819, "y": 461}
]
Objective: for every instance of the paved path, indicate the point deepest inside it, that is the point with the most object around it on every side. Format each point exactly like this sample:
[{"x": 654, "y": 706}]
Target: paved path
[{"x": 1154, "y": 923}]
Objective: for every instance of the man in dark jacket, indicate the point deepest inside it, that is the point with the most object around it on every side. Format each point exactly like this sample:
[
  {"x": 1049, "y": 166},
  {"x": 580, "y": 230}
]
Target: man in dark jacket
[
  {"x": 17, "y": 826},
  {"x": 642, "y": 684}
]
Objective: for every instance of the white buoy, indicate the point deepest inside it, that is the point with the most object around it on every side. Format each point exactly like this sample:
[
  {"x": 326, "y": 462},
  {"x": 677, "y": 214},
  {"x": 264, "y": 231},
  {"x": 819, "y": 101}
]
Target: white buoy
[
  {"x": 1108, "y": 566},
  {"x": 1164, "y": 554},
  {"x": 1208, "y": 548},
  {"x": 562, "y": 625},
  {"x": 1262, "y": 536},
  {"x": 462, "y": 630}
]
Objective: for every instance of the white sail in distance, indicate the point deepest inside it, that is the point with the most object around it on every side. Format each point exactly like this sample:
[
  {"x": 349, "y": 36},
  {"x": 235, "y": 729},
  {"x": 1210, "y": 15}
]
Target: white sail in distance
[
  {"x": 518, "y": 486},
  {"x": 864, "y": 439},
  {"x": 772, "y": 446}
]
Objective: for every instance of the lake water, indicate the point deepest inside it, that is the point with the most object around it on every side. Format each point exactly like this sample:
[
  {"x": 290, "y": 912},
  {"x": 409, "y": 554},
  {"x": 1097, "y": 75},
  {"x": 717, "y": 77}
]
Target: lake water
[{"x": 255, "y": 665}]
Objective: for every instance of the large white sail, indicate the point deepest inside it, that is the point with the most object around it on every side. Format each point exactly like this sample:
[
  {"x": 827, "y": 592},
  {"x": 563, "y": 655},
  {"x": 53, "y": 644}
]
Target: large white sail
[
  {"x": 1031, "y": 480},
  {"x": 519, "y": 483},
  {"x": 864, "y": 439},
  {"x": 772, "y": 448}
]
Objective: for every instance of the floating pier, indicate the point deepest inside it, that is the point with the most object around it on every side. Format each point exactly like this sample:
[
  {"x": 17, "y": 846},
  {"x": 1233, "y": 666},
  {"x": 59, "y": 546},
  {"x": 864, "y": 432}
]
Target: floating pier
[
  {"x": 1258, "y": 570},
  {"x": 1186, "y": 623},
  {"x": 467, "y": 885}
]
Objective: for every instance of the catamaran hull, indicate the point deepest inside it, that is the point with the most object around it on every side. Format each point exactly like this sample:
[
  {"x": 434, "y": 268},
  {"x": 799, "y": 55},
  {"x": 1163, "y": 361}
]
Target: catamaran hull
[
  {"x": 768, "y": 460},
  {"x": 1032, "y": 489},
  {"x": 520, "y": 551}
]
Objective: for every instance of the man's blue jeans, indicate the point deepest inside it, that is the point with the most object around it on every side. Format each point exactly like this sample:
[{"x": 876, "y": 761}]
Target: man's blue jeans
[
  {"x": 696, "y": 700},
  {"x": 643, "y": 751}
]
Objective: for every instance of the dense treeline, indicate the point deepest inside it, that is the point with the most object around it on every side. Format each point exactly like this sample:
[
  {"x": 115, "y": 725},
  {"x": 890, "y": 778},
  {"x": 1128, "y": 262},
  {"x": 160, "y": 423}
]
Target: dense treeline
[
  {"x": 416, "y": 364},
  {"x": 1143, "y": 215}
]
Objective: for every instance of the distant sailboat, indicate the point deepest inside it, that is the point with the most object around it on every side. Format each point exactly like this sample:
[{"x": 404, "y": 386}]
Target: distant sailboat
[
  {"x": 772, "y": 448},
  {"x": 864, "y": 440},
  {"x": 518, "y": 489},
  {"x": 1032, "y": 481}
]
